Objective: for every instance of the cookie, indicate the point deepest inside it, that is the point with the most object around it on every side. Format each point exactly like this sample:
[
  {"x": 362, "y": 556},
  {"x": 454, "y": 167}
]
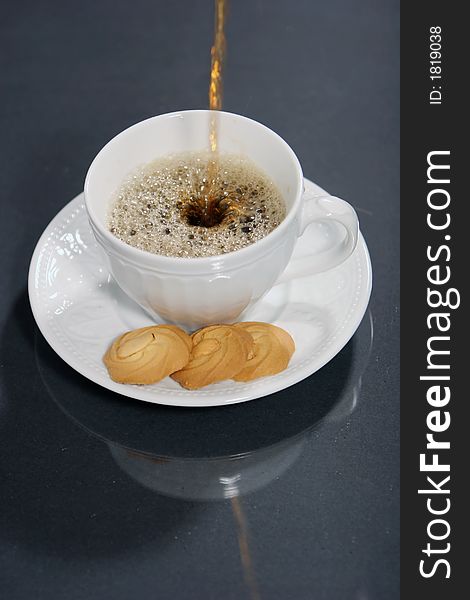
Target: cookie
[
  {"x": 272, "y": 350},
  {"x": 218, "y": 353},
  {"x": 147, "y": 355}
]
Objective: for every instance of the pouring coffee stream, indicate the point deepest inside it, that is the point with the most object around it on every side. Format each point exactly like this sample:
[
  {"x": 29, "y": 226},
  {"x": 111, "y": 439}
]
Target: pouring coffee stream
[
  {"x": 209, "y": 207},
  {"x": 217, "y": 65}
]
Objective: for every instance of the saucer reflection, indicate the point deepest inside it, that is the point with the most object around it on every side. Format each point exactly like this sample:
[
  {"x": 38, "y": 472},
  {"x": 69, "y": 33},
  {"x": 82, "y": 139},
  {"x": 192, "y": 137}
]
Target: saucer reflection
[
  {"x": 349, "y": 401},
  {"x": 167, "y": 451}
]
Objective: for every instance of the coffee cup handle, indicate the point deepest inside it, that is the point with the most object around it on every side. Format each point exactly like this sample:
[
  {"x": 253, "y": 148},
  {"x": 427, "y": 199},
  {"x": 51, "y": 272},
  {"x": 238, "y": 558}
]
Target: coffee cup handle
[{"x": 323, "y": 208}]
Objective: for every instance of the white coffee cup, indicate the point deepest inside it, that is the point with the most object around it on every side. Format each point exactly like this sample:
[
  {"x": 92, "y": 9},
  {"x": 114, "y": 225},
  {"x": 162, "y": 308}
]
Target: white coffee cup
[{"x": 193, "y": 292}]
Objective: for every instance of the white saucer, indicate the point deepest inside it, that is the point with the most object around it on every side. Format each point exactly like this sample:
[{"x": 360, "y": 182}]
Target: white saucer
[{"x": 79, "y": 310}]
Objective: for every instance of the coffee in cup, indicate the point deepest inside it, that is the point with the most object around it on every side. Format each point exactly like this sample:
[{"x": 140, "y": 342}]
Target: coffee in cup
[{"x": 170, "y": 207}]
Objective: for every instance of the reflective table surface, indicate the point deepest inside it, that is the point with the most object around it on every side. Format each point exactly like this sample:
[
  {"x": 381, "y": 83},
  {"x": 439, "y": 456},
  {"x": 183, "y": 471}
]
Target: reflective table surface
[{"x": 292, "y": 496}]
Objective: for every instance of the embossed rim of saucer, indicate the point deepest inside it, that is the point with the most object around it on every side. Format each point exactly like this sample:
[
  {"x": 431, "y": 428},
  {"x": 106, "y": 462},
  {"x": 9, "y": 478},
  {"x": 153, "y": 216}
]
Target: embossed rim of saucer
[{"x": 168, "y": 392}]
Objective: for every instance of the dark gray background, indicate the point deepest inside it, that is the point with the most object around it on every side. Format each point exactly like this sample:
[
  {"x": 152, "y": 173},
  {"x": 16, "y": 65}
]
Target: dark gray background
[{"x": 324, "y": 75}]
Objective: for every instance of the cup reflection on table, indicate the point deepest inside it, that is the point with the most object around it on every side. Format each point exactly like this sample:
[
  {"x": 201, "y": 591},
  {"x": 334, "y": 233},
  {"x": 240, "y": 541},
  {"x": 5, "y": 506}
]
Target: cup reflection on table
[{"x": 209, "y": 478}]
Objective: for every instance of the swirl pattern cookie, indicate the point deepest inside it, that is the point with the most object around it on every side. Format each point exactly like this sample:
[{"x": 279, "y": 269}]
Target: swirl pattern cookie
[
  {"x": 148, "y": 355},
  {"x": 219, "y": 352},
  {"x": 272, "y": 350}
]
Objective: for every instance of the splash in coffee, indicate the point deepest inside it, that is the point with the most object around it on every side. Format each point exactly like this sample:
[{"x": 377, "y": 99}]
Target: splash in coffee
[{"x": 162, "y": 208}]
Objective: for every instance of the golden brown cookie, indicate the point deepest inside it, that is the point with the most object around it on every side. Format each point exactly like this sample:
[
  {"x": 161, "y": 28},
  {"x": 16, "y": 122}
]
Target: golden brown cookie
[
  {"x": 147, "y": 355},
  {"x": 272, "y": 351},
  {"x": 218, "y": 353}
]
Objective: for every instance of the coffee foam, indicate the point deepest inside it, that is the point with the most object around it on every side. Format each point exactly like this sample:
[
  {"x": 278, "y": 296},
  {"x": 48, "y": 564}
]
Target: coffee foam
[{"x": 150, "y": 209}]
